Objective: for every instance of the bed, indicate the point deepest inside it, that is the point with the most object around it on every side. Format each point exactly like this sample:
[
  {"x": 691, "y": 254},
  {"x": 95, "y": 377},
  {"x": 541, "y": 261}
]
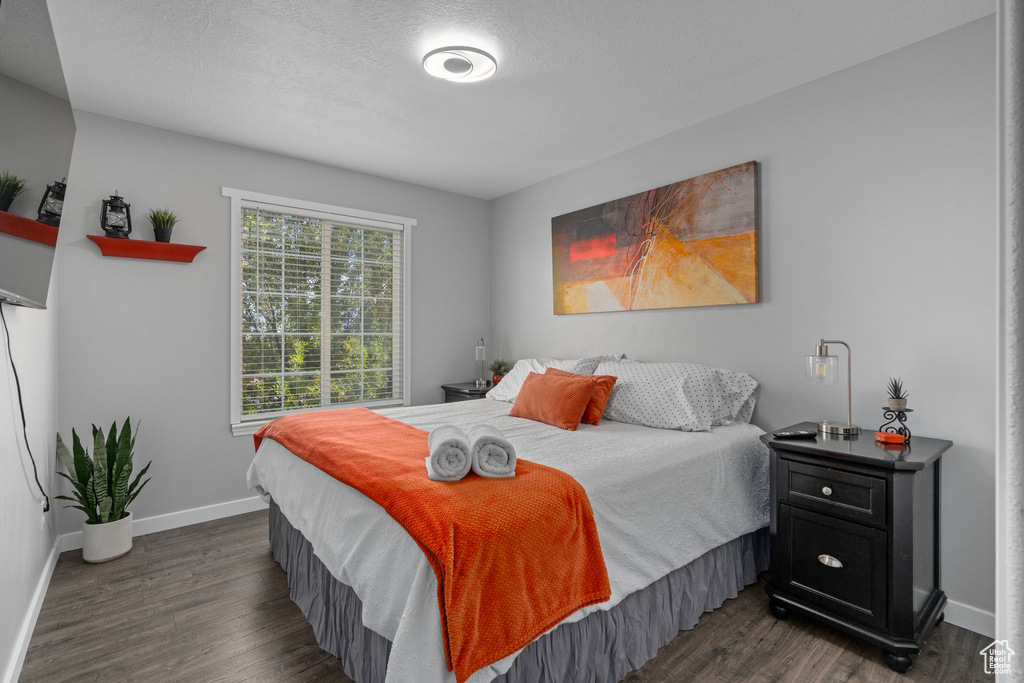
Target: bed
[{"x": 681, "y": 516}]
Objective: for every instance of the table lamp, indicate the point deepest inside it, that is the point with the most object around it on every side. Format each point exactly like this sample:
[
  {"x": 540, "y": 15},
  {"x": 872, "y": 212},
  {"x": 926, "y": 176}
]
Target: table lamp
[
  {"x": 823, "y": 369},
  {"x": 481, "y": 355}
]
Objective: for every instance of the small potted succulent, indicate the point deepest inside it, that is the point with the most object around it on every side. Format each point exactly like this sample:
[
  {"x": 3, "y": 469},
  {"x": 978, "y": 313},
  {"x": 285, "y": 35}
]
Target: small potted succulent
[
  {"x": 499, "y": 367},
  {"x": 897, "y": 396},
  {"x": 10, "y": 187},
  {"x": 163, "y": 221},
  {"x": 102, "y": 490}
]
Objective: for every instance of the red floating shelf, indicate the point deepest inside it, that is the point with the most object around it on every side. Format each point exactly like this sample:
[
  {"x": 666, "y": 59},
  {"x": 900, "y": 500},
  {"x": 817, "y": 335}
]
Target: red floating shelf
[
  {"x": 144, "y": 249},
  {"x": 28, "y": 229}
]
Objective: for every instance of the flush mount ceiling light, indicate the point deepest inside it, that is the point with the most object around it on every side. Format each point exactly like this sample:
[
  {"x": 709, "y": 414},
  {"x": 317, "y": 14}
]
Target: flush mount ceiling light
[{"x": 460, "y": 64}]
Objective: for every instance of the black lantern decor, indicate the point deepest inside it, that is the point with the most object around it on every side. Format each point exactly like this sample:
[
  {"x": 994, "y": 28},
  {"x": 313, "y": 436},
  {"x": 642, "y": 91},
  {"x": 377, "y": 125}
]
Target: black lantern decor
[
  {"x": 116, "y": 219},
  {"x": 52, "y": 204}
]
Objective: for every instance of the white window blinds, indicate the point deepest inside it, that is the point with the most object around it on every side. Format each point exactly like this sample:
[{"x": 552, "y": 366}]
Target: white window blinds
[{"x": 322, "y": 311}]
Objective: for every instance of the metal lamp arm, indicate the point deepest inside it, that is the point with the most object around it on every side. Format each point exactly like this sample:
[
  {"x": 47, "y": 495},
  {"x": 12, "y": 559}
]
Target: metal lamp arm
[{"x": 849, "y": 377}]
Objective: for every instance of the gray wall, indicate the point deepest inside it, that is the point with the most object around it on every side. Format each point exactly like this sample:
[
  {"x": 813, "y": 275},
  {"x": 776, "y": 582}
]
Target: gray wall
[
  {"x": 40, "y": 152},
  {"x": 150, "y": 339},
  {"x": 877, "y": 217}
]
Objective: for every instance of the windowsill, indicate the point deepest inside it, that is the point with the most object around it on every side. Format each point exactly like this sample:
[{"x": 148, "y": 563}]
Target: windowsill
[{"x": 249, "y": 427}]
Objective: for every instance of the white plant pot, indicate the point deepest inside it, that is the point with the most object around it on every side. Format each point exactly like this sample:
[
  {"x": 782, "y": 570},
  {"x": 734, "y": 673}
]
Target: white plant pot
[
  {"x": 897, "y": 404},
  {"x": 105, "y": 542}
]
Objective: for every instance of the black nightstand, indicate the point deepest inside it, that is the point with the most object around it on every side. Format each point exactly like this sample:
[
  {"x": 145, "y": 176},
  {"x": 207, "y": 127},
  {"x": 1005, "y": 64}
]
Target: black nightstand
[
  {"x": 465, "y": 391},
  {"x": 855, "y": 537}
]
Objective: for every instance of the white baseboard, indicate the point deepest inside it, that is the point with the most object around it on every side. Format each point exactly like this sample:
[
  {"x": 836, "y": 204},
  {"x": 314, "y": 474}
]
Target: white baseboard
[
  {"x": 28, "y": 625},
  {"x": 173, "y": 520},
  {"x": 971, "y": 618}
]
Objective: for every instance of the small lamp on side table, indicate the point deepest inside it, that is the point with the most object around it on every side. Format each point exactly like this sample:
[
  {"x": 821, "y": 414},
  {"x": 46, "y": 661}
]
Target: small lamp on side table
[
  {"x": 822, "y": 369},
  {"x": 481, "y": 356}
]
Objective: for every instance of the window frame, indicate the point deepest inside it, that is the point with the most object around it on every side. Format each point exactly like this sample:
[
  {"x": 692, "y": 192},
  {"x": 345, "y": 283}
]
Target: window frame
[{"x": 355, "y": 217}]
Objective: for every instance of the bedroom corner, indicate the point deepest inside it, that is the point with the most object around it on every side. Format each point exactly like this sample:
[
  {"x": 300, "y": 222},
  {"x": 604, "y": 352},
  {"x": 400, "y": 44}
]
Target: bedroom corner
[{"x": 40, "y": 154}]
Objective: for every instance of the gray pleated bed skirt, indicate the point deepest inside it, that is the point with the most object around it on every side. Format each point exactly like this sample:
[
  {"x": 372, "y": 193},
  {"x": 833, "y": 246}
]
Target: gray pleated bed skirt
[{"x": 600, "y": 648}]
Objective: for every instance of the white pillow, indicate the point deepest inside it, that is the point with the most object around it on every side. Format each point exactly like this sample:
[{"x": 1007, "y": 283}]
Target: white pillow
[
  {"x": 508, "y": 388},
  {"x": 683, "y": 396},
  {"x": 586, "y": 366}
]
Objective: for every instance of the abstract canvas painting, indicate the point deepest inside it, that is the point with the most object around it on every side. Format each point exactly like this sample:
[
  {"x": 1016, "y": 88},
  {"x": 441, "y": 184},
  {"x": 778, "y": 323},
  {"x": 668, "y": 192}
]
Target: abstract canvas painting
[{"x": 691, "y": 243}]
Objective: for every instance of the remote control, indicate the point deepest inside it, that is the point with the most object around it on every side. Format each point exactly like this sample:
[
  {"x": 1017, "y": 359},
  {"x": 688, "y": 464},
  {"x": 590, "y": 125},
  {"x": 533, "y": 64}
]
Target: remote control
[{"x": 803, "y": 434}]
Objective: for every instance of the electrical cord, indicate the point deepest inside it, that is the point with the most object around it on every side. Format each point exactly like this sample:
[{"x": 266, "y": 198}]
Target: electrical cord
[{"x": 21, "y": 406}]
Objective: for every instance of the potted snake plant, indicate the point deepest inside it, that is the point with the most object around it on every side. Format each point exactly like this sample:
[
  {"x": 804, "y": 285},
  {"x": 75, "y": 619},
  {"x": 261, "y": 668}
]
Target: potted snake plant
[{"x": 101, "y": 489}]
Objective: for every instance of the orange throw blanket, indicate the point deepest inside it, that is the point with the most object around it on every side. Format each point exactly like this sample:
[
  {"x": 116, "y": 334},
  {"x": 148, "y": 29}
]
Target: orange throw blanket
[{"x": 513, "y": 557}]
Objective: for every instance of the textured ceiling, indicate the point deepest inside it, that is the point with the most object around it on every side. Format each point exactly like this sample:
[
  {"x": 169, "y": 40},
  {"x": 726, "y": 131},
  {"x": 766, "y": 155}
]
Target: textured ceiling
[
  {"x": 340, "y": 81},
  {"x": 27, "y": 50}
]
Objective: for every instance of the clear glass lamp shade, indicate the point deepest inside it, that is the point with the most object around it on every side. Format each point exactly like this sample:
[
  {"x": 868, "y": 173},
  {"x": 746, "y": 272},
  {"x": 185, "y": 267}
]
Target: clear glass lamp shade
[
  {"x": 481, "y": 356},
  {"x": 822, "y": 369}
]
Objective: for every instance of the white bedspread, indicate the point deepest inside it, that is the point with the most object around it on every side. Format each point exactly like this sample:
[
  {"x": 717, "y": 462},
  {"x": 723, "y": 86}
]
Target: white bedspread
[{"x": 661, "y": 499}]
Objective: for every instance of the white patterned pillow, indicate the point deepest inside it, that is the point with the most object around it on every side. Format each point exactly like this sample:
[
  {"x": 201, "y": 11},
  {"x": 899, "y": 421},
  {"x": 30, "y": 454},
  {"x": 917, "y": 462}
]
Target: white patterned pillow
[
  {"x": 683, "y": 396},
  {"x": 586, "y": 366},
  {"x": 508, "y": 388}
]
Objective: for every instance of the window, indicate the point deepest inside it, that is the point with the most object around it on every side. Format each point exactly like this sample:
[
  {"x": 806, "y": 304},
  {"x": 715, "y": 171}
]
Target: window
[{"x": 320, "y": 308}]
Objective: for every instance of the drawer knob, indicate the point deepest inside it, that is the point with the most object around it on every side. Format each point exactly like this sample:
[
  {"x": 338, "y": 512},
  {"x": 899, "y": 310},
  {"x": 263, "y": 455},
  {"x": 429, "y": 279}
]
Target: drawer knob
[
  {"x": 827, "y": 490},
  {"x": 830, "y": 561}
]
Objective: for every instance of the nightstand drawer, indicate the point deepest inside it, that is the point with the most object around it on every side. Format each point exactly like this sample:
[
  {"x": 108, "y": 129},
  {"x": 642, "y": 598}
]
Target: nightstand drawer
[
  {"x": 455, "y": 397},
  {"x": 848, "y": 495},
  {"x": 837, "y": 566}
]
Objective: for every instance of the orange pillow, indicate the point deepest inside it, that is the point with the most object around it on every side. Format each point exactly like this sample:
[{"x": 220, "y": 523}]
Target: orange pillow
[
  {"x": 558, "y": 401},
  {"x": 598, "y": 399}
]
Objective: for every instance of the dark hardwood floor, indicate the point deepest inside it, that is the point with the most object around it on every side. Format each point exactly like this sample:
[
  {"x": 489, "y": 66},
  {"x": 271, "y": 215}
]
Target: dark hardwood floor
[{"x": 209, "y": 603}]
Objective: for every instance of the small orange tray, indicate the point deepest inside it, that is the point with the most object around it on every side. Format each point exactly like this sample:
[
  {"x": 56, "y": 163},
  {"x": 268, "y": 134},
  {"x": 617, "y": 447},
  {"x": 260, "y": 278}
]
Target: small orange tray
[{"x": 889, "y": 437}]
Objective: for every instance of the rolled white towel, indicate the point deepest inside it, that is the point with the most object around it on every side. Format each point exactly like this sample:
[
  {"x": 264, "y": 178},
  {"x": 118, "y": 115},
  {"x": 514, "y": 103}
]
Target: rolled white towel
[
  {"x": 492, "y": 454},
  {"x": 449, "y": 458}
]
